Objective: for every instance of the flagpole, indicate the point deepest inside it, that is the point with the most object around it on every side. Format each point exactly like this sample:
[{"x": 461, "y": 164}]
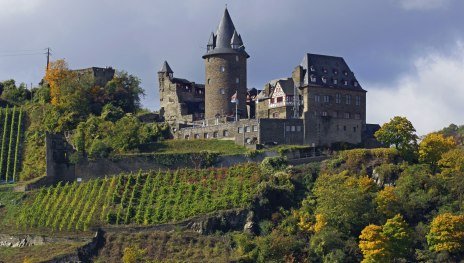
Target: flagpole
[{"x": 235, "y": 100}]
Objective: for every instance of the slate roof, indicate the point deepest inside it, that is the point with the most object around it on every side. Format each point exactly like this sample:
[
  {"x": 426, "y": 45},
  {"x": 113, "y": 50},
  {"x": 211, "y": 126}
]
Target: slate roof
[
  {"x": 287, "y": 86},
  {"x": 329, "y": 68},
  {"x": 166, "y": 68},
  {"x": 226, "y": 40}
]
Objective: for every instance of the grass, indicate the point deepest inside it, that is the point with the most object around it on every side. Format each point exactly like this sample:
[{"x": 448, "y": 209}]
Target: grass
[
  {"x": 226, "y": 147},
  {"x": 169, "y": 247},
  {"x": 39, "y": 253}
]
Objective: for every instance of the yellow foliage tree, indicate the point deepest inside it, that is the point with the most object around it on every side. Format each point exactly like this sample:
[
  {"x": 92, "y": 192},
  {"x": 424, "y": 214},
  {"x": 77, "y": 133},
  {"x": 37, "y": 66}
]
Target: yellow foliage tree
[
  {"x": 373, "y": 244},
  {"x": 387, "y": 201},
  {"x": 446, "y": 233},
  {"x": 452, "y": 163},
  {"x": 386, "y": 243},
  {"x": 433, "y": 146},
  {"x": 57, "y": 73}
]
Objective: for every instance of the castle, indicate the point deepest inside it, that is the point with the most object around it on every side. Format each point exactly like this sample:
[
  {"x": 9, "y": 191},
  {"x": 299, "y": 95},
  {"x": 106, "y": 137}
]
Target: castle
[{"x": 320, "y": 105}]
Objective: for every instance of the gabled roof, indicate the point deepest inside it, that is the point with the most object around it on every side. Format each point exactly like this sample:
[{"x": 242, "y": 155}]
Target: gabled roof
[
  {"x": 329, "y": 67},
  {"x": 236, "y": 41},
  {"x": 166, "y": 68},
  {"x": 286, "y": 85}
]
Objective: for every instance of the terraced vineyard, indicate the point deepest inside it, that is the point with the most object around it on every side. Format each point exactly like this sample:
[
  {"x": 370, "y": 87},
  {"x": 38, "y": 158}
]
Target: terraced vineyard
[
  {"x": 141, "y": 199},
  {"x": 11, "y": 132}
]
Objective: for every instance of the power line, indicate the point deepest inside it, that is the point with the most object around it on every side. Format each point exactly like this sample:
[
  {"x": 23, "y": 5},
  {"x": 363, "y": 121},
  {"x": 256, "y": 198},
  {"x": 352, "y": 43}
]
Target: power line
[
  {"x": 20, "y": 51},
  {"x": 23, "y": 54}
]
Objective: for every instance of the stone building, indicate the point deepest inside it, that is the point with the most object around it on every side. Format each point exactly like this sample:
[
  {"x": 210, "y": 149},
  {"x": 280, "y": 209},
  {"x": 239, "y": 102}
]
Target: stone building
[
  {"x": 180, "y": 100},
  {"x": 320, "y": 105},
  {"x": 100, "y": 76}
]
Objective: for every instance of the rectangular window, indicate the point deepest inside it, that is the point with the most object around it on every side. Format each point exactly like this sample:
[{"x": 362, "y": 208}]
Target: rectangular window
[
  {"x": 247, "y": 129},
  {"x": 237, "y": 80},
  {"x": 255, "y": 128},
  {"x": 298, "y": 128},
  {"x": 317, "y": 98},
  {"x": 337, "y": 98},
  {"x": 324, "y": 113},
  {"x": 347, "y": 115},
  {"x": 358, "y": 100},
  {"x": 357, "y": 116},
  {"x": 293, "y": 128},
  {"x": 348, "y": 99},
  {"x": 287, "y": 128},
  {"x": 280, "y": 99},
  {"x": 272, "y": 100},
  {"x": 335, "y": 114},
  {"x": 326, "y": 98},
  {"x": 240, "y": 130},
  {"x": 354, "y": 129}
]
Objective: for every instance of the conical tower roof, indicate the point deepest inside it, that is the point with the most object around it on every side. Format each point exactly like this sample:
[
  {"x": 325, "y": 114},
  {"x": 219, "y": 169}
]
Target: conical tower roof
[
  {"x": 236, "y": 40},
  {"x": 225, "y": 31},
  {"x": 226, "y": 40},
  {"x": 166, "y": 68}
]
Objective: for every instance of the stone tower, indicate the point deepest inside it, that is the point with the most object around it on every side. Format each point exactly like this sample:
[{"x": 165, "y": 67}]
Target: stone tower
[{"x": 226, "y": 71}]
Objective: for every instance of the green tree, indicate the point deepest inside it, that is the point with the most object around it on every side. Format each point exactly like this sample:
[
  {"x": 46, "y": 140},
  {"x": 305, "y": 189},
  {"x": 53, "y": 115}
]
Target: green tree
[{"x": 400, "y": 133}]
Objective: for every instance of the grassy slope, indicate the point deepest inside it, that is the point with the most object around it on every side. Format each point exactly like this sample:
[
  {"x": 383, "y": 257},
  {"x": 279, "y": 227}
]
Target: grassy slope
[
  {"x": 169, "y": 247},
  {"x": 39, "y": 253},
  {"x": 188, "y": 146}
]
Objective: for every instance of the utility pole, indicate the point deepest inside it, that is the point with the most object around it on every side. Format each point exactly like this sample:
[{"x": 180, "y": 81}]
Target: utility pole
[{"x": 48, "y": 56}]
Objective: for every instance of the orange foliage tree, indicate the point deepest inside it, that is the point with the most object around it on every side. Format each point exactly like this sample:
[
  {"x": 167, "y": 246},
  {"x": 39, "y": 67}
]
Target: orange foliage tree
[{"x": 56, "y": 75}]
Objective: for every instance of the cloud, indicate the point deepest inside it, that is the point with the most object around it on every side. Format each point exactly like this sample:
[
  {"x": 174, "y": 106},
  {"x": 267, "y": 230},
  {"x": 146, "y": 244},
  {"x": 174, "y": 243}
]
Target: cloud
[
  {"x": 17, "y": 7},
  {"x": 423, "y": 4},
  {"x": 431, "y": 96}
]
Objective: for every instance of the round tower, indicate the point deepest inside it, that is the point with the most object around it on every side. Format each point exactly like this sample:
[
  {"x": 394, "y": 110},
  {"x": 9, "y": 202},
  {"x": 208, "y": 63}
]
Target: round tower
[{"x": 226, "y": 72}]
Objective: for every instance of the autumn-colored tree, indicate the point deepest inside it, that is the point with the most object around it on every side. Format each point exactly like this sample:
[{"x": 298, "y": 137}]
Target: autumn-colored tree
[
  {"x": 373, "y": 244},
  {"x": 452, "y": 163},
  {"x": 433, "y": 146},
  {"x": 56, "y": 75},
  {"x": 447, "y": 233},
  {"x": 400, "y": 133},
  {"x": 387, "y": 243},
  {"x": 388, "y": 202}
]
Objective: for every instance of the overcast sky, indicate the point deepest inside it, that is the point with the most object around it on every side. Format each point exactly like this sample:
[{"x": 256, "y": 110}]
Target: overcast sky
[{"x": 408, "y": 54}]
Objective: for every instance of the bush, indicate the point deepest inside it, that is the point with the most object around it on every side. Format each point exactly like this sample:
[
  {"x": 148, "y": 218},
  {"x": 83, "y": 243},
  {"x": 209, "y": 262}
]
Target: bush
[
  {"x": 99, "y": 149},
  {"x": 271, "y": 165}
]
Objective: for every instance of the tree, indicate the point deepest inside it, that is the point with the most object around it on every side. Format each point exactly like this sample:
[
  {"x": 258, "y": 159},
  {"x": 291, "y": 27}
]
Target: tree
[
  {"x": 447, "y": 233},
  {"x": 373, "y": 244},
  {"x": 345, "y": 203},
  {"x": 13, "y": 93},
  {"x": 432, "y": 147},
  {"x": 56, "y": 75},
  {"x": 124, "y": 91},
  {"x": 400, "y": 133},
  {"x": 388, "y": 202},
  {"x": 387, "y": 243}
]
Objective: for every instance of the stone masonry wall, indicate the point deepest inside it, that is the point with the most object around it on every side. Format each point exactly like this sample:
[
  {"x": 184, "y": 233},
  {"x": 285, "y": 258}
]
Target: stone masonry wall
[{"x": 221, "y": 85}]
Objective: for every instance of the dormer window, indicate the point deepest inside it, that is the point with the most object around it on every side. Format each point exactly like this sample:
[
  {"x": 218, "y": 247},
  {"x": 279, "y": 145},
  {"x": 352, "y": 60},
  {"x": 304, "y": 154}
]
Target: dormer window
[
  {"x": 335, "y": 72},
  {"x": 345, "y": 82},
  {"x": 345, "y": 73},
  {"x": 313, "y": 78},
  {"x": 237, "y": 58},
  {"x": 324, "y": 69},
  {"x": 324, "y": 79},
  {"x": 335, "y": 81},
  {"x": 355, "y": 83},
  {"x": 312, "y": 68}
]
